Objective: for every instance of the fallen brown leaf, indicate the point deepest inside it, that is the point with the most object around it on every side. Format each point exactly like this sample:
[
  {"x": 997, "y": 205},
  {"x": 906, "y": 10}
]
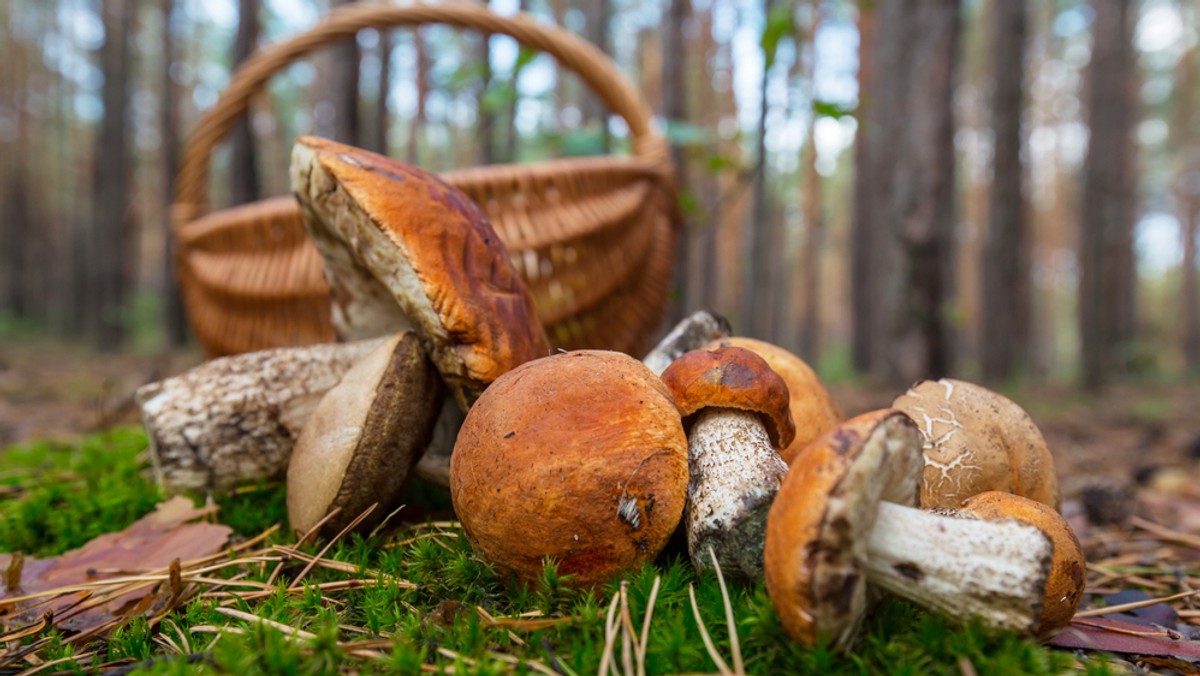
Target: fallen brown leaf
[
  {"x": 1127, "y": 638},
  {"x": 73, "y": 588}
]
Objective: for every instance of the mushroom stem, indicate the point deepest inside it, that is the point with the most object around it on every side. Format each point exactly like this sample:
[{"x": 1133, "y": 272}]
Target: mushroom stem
[
  {"x": 734, "y": 475},
  {"x": 961, "y": 566}
]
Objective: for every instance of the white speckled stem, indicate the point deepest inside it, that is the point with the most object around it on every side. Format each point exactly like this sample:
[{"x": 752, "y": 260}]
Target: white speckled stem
[
  {"x": 960, "y": 566},
  {"x": 734, "y": 476}
]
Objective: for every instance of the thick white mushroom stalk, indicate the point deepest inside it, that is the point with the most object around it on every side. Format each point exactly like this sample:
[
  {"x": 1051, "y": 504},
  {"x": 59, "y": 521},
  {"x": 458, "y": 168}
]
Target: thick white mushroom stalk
[{"x": 734, "y": 474}]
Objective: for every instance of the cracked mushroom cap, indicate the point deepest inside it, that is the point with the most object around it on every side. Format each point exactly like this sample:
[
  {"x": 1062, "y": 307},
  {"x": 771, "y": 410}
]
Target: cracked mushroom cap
[
  {"x": 579, "y": 457},
  {"x": 403, "y": 249},
  {"x": 817, "y": 531},
  {"x": 814, "y": 411},
  {"x": 976, "y": 441},
  {"x": 1068, "y": 569},
  {"x": 364, "y": 437},
  {"x": 732, "y": 377}
]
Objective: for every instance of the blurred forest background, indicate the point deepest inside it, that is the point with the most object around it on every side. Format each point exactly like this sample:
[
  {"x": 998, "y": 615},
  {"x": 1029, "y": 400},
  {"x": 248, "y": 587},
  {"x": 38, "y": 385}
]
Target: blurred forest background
[{"x": 995, "y": 188}]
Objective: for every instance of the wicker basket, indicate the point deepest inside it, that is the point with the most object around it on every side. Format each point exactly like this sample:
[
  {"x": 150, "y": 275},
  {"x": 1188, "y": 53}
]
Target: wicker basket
[{"x": 593, "y": 237}]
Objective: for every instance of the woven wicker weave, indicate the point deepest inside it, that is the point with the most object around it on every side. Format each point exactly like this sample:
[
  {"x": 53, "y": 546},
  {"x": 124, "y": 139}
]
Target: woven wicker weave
[{"x": 593, "y": 237}]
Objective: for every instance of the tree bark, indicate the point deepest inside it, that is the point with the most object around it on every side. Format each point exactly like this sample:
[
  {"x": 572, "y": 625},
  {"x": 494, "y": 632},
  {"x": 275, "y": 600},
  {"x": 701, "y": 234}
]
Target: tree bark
[
  {"x": 382, "y": 116},
  {"x": 595, "y": 30},
  {"x": 175, "y": 318},
  {"x": 244, "y": 183},
  {"x": 1106, "y": 275},
  {"x": 863, "y": 274},
  {"x": 674, "y": 109},
  {"x": 1187, "y": 190},
  {"x": 1005, "y": 303},
  {"x": 412, "y": 151},
  {"x": 110, "y": 242},
  {"x": 756, "y": 277},
  {"x": 343, "y": 87},
  {"x": 814, "y": 217}
]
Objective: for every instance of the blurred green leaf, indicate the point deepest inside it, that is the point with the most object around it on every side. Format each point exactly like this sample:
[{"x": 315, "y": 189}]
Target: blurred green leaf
[
  {"x": 681, "y": 133},
  {"x": 779, "y": 25},
  {"x": 831, "y": 109},
  {"x": 719, "y": 163},
  {"x": 688, "y": 204}
]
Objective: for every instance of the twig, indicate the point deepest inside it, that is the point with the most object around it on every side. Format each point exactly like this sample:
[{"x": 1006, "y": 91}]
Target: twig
[
  {"x": 1120, "y": 608},
  {"x": 349, "y": 527},
  {"x": 249, "y": 617},
  {"x": 708, "y": 642},
  {"x": 641, "y": 667},
  {"x": 734, "y": 645}
]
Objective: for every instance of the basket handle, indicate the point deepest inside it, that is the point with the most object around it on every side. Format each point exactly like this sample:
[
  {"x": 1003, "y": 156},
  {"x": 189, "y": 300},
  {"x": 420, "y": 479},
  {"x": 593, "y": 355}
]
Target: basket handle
[{"x": 580, "y": 56}]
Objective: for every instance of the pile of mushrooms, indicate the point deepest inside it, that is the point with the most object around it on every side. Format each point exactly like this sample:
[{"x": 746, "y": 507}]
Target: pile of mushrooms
[{"x": 594, "y": 459}]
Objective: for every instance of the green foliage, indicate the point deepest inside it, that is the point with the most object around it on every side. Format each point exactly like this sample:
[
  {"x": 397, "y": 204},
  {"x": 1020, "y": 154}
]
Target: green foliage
[
  {"x": 779, "y": 25},
  {"x": 831, "y": 109},
  {"x": 445, "y": 616}
]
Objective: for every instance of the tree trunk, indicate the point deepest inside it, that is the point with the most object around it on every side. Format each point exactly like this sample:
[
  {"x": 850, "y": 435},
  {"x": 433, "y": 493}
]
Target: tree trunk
[
  {"x": 814, "y": 218},
  {"x": 344, "y": 87},
  {"x": 1005, "y": 303},
  {"x": 175, "y": 319},
  {"x": 415, "y": 128},
  {"x": 674, "y": 109},
  {"x": 1187, "y": 190},
  {"x": 484, "y": 115},
  {"x": 15, "y": 224},
  {"x": 756, "y": 277},
  {"x": 111, "y": 238},
  {"x": 1105, "y": 293},
  {"x": 382, "y": 117},
  {"x": 863, "y": 274},
  {"x": 244, "y": 183},
  {"x": 597, "y": 14}
]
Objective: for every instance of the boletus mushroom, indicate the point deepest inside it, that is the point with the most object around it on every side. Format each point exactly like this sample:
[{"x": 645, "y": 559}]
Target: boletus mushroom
[
  {"x": 845, "y": 517},
  {"x": 359, "y": 446},
  {"x": 813, "y": 409},
  {"x": 976, "y": 441},
  {"x": 579, "y": 457},
  {"x": 404, "y": 250},
  {"x": 735, "y": 410}
]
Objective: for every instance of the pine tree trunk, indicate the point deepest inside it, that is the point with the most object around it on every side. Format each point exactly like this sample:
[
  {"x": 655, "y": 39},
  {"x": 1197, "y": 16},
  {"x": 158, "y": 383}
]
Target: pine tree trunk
[
  {"x": 863, "y": 274},
  {"x": 1105, "y": 296},
  {"x": 1005, "y": 306},
  {"x": 111, "y": 237},
  {"x": 416, "y": 127},
  {"x": 382, "y": 117},
  {"x": 1187, "y": 190},
  {"x": 674, "y": 109},
  {"x": 597, "y": 15},
  {"x": 343, "y": 87},
  {"x": 813, "y": 204},
  {"x": 175, "y": 318},
  {"x": 244, "y": 185},
  {"x": 756, "y": 277}
]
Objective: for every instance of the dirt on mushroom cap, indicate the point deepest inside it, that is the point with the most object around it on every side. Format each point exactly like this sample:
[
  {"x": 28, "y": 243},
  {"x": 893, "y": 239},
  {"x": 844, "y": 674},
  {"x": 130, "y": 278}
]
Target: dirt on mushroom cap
[{"x": 578, "y": 457}]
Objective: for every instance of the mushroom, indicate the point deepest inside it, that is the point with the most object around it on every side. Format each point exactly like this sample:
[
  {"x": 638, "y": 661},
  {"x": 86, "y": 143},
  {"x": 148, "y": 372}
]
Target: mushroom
[
  {"x": 736, "y": 411},
  {"x": 846, "y": 517},
  {"x": 813, "y": 410},
  {"x": 975, "y": 441},
  {"x": 360, "y": 444},
  {"x": 1068, "y": 571},
  {"x": 404, "y": 250},
  {"x": 578, "y": 457}
]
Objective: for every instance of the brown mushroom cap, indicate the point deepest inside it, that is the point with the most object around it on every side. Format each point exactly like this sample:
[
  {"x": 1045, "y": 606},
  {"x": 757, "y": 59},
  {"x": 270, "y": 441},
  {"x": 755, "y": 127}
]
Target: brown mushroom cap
[
  {"x": 814, "y": 411},
  {"x": 1068, "y": 573},
  {"x": 818, "y": 526},
  {"x": 579, "y": 457},
  {"x": 976, "y": 441},
  {"x": 732, "y": 377},
  {"x": 403, "y": 249},
  {"x": 364, "y": 437}
]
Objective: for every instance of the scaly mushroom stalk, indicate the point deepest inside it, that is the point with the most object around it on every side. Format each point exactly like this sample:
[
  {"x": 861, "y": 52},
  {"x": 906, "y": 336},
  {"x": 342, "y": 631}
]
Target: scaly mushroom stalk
[
  {"x": 737, "y": 411},
  {"x": 846, "y": 517}
]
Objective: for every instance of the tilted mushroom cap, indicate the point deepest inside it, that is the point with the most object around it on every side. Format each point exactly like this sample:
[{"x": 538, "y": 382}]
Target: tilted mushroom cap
[
  {"x": 403, "y": 249},
  {"x": 822, "y": 516},
  {"x": 732, "y": 377},
  {"x": 579, "y": 457},
  {"x": 975, "y": 441},
  {"x": 1068, "y": 574},
  {"x": 813, "y": 410},
  {"x": 364, "y": 437}
]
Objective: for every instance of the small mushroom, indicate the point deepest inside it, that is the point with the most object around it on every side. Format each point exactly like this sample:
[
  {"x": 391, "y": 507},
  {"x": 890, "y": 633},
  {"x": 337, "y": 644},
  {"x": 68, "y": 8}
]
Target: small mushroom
[
  {"x": 579, "y": 457},
  {"x": 1068, "y": 572},
  {"x": 846, "y": 517},
  {"x": 691, "y": 333},
  {"x": 813, "y": 409},
  {"x": 736, "y": 411},
  {"x": 976, "y": 441},
  {"x": 360, "y": 444},
  {"x": 404, "y": 250}
]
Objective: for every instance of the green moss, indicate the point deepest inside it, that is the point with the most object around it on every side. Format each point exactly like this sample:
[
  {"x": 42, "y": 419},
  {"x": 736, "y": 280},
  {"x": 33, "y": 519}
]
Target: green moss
[{"x": 438, "y": 621}]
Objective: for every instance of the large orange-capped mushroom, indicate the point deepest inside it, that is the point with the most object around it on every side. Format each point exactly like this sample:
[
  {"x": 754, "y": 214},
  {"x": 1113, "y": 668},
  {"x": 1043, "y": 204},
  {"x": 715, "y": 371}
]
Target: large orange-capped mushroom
[
  {"x": 579, "y": 457},
  {"x": 845, "y": 518},
  {"x": 977, "y": 440},
  {"x": 813, "y": 410},
  {"x": 735, "y": 409}
]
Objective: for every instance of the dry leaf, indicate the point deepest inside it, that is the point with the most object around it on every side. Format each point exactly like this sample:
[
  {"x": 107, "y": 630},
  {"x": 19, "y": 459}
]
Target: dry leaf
[
  {"x": 1127, "y": 638},
  {"x": 151, "y": 543}
]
